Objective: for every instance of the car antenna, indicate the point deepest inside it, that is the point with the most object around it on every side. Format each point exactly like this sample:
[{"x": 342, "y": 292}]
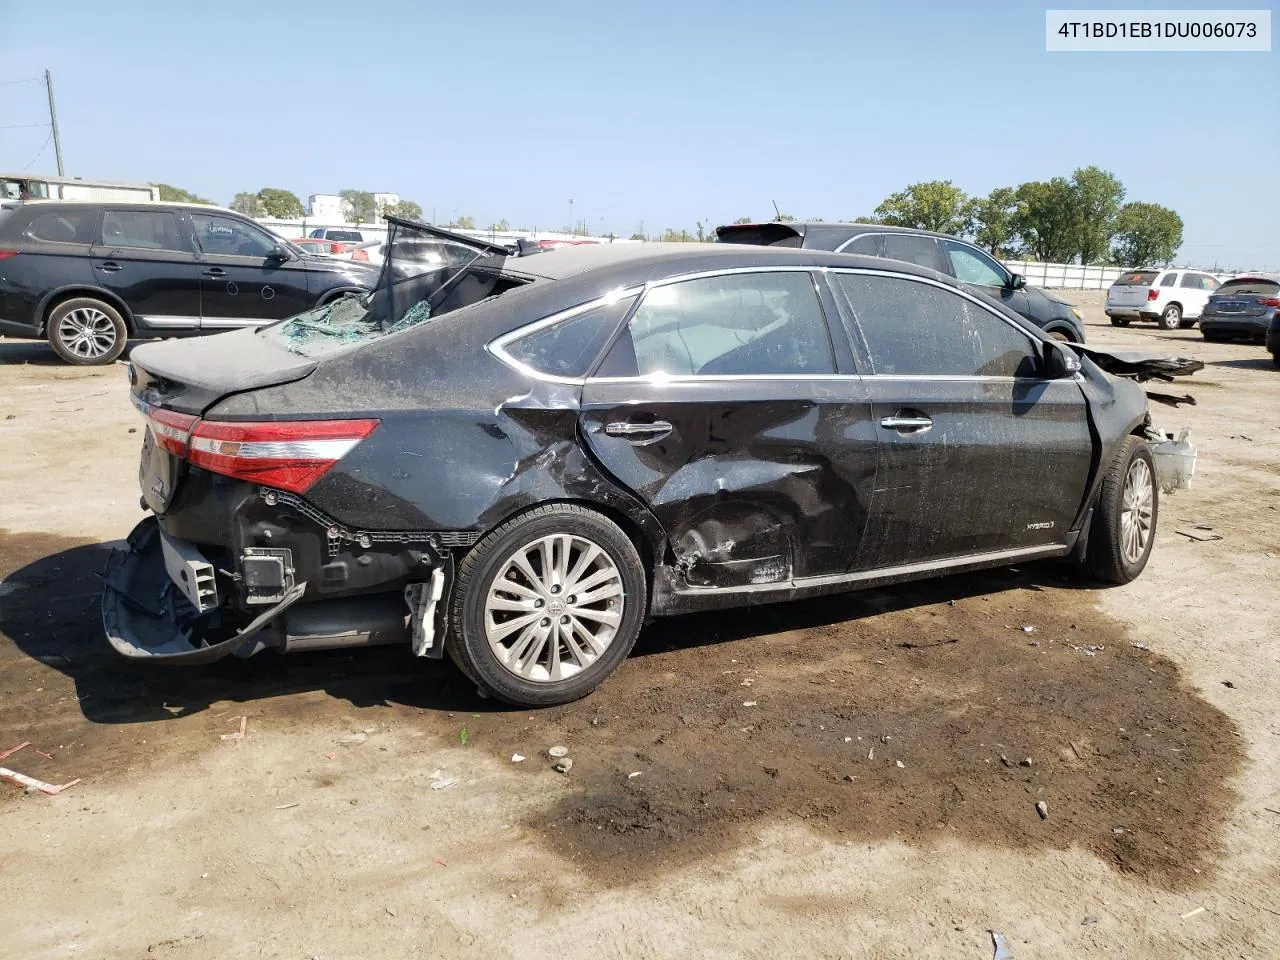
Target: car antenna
[{"x": 777, "y": 214}]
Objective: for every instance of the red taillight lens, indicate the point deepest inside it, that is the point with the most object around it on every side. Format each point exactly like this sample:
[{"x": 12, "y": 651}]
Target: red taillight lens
[
  {"x": 6, "y": 254},
  {"x": 360, "y": 255},
  {"x": 171, "y": 430},
  {"x": 288, "y": 455},
  {"x": 1153, "y": 294},
  {"x": 1269, "y": 301}
]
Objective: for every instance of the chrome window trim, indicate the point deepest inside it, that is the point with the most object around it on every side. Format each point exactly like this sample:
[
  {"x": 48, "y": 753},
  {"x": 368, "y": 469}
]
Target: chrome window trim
[
  {"x": 859, "y": 236},
  {"x": 497, "y": 346}
]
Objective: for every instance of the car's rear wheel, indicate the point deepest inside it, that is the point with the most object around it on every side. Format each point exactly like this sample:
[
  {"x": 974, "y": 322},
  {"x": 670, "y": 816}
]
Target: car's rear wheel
[
  {"x": 1171, "y": 319},
  {"x": 547, "y": 605},
  {"x": 1060, "y": 336},
  {"x": 1124, "y": 518},
  {"x": 1119, "y": 321},
  {"x": 1185, "y": 324},
  {"x": 86, "y": 331}
]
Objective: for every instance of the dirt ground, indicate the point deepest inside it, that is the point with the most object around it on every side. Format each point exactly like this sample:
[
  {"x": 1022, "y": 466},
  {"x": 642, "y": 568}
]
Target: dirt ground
[{"x": 849, "y": 777}]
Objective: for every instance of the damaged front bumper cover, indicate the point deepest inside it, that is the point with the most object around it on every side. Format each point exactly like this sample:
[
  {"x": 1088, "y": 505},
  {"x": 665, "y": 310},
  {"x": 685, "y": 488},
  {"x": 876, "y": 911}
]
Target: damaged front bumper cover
[{"x": 146, "y": 617}]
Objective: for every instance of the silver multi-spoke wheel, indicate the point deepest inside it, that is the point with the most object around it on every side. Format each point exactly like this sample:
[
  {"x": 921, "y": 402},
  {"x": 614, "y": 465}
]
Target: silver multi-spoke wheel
[
  {"x": 1136, "y": 511},
  {"x": 554, "y": 607},
  {"x": 87, "y": 333}
]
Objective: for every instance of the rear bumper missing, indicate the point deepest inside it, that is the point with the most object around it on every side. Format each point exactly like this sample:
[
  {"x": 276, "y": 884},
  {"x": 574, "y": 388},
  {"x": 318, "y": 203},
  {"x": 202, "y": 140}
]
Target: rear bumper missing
[{"x": 146, "y": 617}]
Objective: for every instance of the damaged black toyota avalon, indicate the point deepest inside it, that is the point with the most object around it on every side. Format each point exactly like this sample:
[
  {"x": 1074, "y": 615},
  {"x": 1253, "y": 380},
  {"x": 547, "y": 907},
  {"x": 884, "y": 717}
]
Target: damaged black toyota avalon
[{"x": 518, "y": 460}]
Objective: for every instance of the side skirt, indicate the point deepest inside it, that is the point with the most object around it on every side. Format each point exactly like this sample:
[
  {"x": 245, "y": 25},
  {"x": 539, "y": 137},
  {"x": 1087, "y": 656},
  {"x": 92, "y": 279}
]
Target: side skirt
[{"x": 672, "y": 597}]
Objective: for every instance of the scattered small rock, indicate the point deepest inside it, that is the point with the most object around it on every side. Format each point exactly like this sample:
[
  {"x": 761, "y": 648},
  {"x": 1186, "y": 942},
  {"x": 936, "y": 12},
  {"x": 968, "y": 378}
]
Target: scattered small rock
[
  {"x": 1117, "y": 830},
  {"x": 390, "y": 912},
  {"x": 563, "y": 765},
  {"x": 1042, "y": 808},
  {"x": 848, "y": 739},
  {"x": 771, "y": 771},
  {"x": 748, "y": 703},
  {"x": 517, "y": 758},
  {"x": 1024, "y": 762},
  {"x": 1228, "y": 684},
  {"x": 557, "y": 752},
  {"x": 851, "y": 778},
  {"x": 131, "y": 429},
  {"x": 899, "y": 764},
  {"x": 1088, "y": 920},
  {"x": 633, "y": 774},
  {"x": 1028, "y": 629},
  {"x": 1005, "y": 760}
]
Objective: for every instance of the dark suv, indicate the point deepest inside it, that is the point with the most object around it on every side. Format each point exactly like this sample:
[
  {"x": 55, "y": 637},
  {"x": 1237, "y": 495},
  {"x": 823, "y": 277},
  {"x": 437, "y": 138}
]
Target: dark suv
[
  {"x": 974, "y": 268},
  {"x": 90, "y": 275}
]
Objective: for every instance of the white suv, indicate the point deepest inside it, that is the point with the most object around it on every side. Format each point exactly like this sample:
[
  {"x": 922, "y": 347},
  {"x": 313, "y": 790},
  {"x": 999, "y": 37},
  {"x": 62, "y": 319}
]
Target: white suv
[{"x": 1172, "y": 298}]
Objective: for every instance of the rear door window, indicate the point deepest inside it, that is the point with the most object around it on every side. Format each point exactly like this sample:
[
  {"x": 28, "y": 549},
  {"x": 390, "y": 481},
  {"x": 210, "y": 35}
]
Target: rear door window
[
  {"x": 747, "y": 324},
  {"x": 63, "y": 226},
  {"x": 913, "y": 249},
  {"x": 1169, "y": 280},
  {"x": 913, "y": 328},
  {"x": 142, "y": 229},
  {"x": 869, "y": 245},
  {"x": 1193, "y": 281}
]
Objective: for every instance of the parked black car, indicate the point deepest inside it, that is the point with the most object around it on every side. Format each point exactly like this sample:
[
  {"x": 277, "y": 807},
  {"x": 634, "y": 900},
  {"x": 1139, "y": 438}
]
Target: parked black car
[
  {"x": 1243, "y": 307},
  {"x": 527, "y": 457},
  {"x": 90, "y": 275},
  {"x": 977, "y": 270}
]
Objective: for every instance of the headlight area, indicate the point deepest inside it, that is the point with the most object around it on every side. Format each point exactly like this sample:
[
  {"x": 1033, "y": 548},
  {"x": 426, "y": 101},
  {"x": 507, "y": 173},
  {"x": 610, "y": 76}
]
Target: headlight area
[{"x": 237, "y": 569}]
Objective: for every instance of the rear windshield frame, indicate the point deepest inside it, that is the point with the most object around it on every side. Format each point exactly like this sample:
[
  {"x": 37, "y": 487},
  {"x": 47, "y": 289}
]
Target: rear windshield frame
[{"x": 1133, "y": 278}]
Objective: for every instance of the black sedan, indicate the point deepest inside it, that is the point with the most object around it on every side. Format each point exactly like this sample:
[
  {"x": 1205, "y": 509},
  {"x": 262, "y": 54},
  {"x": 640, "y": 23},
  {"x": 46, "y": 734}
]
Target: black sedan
[
  {"x": 977, "y": 270},
  {"x": 520, "y": 460}
]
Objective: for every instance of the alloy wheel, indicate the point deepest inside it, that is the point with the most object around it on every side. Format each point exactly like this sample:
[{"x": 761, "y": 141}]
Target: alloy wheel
[
  {"x": 1138, "y": 506},
  {"x": 554, "y": 608},
  {"x": 87, "y": 333}
]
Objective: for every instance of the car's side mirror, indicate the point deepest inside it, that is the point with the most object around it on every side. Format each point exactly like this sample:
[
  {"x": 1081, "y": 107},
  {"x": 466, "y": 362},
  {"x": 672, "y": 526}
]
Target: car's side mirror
[
  {"x": 279, "y": 252},
  {"x": 1060, "y": 360},
  {"x": 1017, "y": 281}
]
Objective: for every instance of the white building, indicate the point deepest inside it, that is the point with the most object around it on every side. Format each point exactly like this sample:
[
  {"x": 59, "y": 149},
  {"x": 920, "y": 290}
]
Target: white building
[{"x": 326, "y": 207}]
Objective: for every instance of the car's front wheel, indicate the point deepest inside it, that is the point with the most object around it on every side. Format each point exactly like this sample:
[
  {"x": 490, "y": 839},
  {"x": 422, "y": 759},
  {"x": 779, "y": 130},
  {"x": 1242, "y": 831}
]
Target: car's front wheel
[
  {"x": 86, "y": 331},
  {"x": 1124, "y": 519},
  {"x": 547, "y": 605},
  {"x": 1171, "y": 319}
]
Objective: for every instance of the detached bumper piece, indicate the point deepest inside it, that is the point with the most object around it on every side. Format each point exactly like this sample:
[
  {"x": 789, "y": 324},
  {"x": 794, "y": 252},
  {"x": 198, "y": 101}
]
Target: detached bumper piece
[{"x": 147, "y": 617}]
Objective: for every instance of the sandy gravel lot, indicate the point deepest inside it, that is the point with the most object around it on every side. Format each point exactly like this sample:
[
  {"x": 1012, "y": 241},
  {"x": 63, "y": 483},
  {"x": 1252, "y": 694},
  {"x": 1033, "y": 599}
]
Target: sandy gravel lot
[{"x": 836, "y": 778}]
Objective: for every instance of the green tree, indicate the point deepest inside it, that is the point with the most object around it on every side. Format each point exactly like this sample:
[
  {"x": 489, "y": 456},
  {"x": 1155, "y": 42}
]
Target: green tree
[
  {"x": 1046, "y": 219},
  {"x": 638, "y": 236},
  {"x": 1097, "y": 196},
  {"x": 1147, "y": 234},
  {"x": 246, "y": 203},
  {"x": 501, "y": 226},
  {"x": 993, "y": 219},
  {"x": 671, "y": 235},
  {"x": 464, "y": 223},
  {"x": 405, "y": 208},
  {"x": 744, "y": 220},
  {"x": 359, "y": 205},
  {"x": 935, "y": 205},
  {"x": 178, "y": 195},
  {"x": 784, "y": 218},
  {"x": 276, "y": 202}
]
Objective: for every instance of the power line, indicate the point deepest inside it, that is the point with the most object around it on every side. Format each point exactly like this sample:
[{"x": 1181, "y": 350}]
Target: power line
[
  {"x": 21, "y": 126},
  {"x": 40, "y": 154},
  {"x": 6, "y": 83}
]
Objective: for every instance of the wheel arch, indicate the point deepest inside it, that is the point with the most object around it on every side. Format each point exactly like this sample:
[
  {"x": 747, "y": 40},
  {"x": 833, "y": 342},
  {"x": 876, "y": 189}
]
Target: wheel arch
[
  {"x": 331, "y": 295},
  {"x": 70, "y": 292}
]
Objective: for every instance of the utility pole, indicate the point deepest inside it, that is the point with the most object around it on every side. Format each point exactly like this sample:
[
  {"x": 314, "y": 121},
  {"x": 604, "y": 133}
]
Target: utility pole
[{"x": 53, "y": 119}]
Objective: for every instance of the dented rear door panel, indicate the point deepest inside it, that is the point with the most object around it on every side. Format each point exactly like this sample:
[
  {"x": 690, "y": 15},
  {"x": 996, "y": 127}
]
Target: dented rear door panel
[{"x": 758, "y": 480}]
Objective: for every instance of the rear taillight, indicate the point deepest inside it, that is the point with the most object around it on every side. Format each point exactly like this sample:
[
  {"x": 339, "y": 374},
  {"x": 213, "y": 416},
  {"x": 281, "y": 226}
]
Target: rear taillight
[
  {"x": 288, "y": 455},
  {"x": 360, "y": 255},
  {"x": 170, "y": 429},
  {"x": 6, "y": 254},
  {"x": 1269, "y": 301},
  {"x": 1153, "y": 294}
]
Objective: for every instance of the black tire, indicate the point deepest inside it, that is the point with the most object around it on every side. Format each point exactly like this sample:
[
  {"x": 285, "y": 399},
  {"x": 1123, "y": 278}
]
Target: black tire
[
  {"x": 86, "y": 331},
  {"x": 1119, "y": 321},
  {"x": 468, "y": 644},
  {"x": 1214, "y": 337},
  {"x": 1186, "y": 324},
  {"x": 1060, "y": 336},
  {"x": 1275, "y": 358},
  {"x": 1171, "y": 319},
  {"x": 1106, "y": 557}
]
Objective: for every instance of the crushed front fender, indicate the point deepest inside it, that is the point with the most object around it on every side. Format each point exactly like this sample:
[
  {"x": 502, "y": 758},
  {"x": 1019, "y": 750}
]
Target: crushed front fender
[{"x": 146, "y": 618}]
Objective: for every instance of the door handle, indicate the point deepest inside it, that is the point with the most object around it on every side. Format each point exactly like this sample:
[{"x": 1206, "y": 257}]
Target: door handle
[
  {"x": 215, "y": 272},
  {"x": 907, "y": 424},
  {"x": 109, "y": 266},
  {"x": 645, "y": 432}
]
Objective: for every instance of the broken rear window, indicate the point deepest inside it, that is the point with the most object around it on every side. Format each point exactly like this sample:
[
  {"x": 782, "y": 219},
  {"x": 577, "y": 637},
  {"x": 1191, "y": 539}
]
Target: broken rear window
[
  {"x": 1137, "y": 278},
  {"x": 410, "y": 291}
]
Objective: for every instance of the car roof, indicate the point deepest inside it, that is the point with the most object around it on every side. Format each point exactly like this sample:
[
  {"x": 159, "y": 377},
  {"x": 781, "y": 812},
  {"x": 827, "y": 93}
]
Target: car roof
[
  {"x": 129, "y": 205},
  {"x": 814, "y": 228}
]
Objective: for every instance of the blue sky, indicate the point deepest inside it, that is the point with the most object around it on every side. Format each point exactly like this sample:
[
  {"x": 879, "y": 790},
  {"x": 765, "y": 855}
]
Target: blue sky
[{"x": 666, "y": 113}]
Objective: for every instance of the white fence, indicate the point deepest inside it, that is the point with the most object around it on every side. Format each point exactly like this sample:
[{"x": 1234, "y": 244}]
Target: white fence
[
  {"x": 294, "y": 229},
  {"x": 1072, "y": 276}
]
